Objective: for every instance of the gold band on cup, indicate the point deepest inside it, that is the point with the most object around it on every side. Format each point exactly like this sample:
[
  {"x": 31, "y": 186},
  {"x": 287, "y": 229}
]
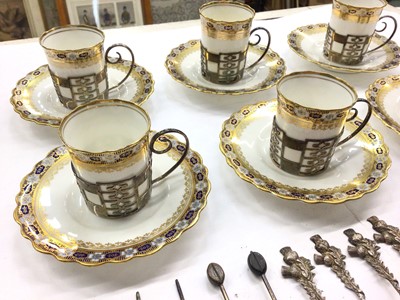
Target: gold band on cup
[
  {"x": 105, "y": 158},
  {"x": 82, "y": 55},
  {"x": 357, "y": 14},
  {"x": 224, "y": 30},
  {"x": 313, "y": 118}
]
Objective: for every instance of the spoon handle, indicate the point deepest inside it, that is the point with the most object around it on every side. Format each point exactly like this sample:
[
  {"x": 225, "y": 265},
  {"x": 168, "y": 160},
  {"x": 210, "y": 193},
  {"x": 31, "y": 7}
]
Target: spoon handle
[
  {"x": 333, "y": 258},
  {"x": 268, "y": 286},
  {"x": 224, "y": 292},
  {"x": 178, "y": 287},
  {"x": 300, "y": 269},
  {"x": 369, "y": 251}
]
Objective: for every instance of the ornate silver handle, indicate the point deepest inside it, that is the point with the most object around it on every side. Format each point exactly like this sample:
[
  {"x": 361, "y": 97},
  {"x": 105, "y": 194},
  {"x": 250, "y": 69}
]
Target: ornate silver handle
[
  {"x": 119, "y": 59},
  {"x": 362, "y": 125},
  {"x": 383, "y": 29},
  {"x": 258, "y": 41},
  {"x": 161, "y": 137}
]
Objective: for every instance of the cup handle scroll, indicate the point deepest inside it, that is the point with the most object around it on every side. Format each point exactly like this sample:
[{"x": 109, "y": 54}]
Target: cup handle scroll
[
  {"x": 383, "y": 29},
  {"x": 361, "y": 126},
  {"x": 257, "y": 42},
  {"x": 161, "y": 136},
  {"x": 119, "y": 59}
]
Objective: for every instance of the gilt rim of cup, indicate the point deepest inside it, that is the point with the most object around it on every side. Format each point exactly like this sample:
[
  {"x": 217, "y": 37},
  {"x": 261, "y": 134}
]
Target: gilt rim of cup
[
  {"x": 351, "y": 88},
  {"x": 97, "y": 103},
  {"x": 71, "y": 26},
  {"x": 223, "y": 3},
  {"x": 384, "y": 3}
]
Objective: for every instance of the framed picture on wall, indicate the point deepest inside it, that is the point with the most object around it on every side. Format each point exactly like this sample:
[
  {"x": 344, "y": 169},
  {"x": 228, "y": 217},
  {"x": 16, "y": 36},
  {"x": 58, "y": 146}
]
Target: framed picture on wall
[
  {"x": 106, "y": 13},
  {"x": 14, "y": 22},
  {"x": 85, "y": 15},
  {"x": 126, "y": 13},
  {"x": 54, "y": 13}
]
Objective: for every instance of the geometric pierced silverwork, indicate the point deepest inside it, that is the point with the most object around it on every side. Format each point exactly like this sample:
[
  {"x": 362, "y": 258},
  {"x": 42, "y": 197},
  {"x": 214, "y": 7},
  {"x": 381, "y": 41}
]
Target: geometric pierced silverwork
[
  {"x": 308, "y": 157},
  {"x": 119, "y": 198},
  {"x": 75, "y": 91},
  {"x": 222, "y": 68},
  {"x": 345, "y": 49}
]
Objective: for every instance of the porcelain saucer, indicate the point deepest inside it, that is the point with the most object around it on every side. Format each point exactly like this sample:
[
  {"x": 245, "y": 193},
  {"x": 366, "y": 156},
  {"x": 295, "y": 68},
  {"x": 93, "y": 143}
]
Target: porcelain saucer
[
  {"x": 34, "y": 97},
  {"x": 358, "y": 167},
  {"x": 53, "y": 216},
  {"x": 384, "y": 95},
  {"x": 308, "y": 41},
  {"x": 183, "y": 64}
]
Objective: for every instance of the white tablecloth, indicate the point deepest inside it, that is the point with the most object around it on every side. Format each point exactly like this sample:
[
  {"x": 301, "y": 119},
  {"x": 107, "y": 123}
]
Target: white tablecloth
[{"x": 238, "y": 219}]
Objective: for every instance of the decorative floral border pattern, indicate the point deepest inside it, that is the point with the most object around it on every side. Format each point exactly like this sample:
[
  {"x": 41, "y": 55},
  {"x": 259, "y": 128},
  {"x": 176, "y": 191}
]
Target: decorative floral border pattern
[
  {"x": 376, "y": 96},
  {"x": 226, "y": 31},
  {"x": 75, "y": 56},
  {"x": 221, "y": 26},
  {"x": 312, "y": 114},
  {"x": 110, "y": 157}
]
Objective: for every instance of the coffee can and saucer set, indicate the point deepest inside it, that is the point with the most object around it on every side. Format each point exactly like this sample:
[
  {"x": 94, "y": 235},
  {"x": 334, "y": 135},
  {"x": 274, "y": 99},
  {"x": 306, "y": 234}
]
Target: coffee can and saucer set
[{"x": 129, "y": 190}]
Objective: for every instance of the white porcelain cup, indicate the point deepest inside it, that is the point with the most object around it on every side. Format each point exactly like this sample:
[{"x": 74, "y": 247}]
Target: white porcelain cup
[
  {"x": 225, "y": 33},
  {"x": 351, "y": 28},
  {"x": 312, "y": 111},
  {"x": 78, "y": 64},
  {"x": 110, "y": 144}
]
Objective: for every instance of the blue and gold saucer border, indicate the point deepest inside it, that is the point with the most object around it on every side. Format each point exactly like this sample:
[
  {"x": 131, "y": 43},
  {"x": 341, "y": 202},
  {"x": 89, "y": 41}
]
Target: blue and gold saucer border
[
  {"x": 376, "y": 93},
  {"x": 90, "y": 254}
]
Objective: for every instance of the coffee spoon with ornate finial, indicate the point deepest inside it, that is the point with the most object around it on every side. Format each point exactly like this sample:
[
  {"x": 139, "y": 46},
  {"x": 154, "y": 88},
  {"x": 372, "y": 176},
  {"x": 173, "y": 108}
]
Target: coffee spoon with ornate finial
[
  {"x": 368, "y": 250},
  {"x": 386, "y": 233},
  {"x": 333, "y": 258},
  {"x": 300, "y": 269}
]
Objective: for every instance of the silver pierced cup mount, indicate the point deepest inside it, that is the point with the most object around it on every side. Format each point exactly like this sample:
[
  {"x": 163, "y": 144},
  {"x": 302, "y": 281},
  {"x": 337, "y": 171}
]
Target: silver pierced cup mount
[{"x": 127, "y": 196}]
